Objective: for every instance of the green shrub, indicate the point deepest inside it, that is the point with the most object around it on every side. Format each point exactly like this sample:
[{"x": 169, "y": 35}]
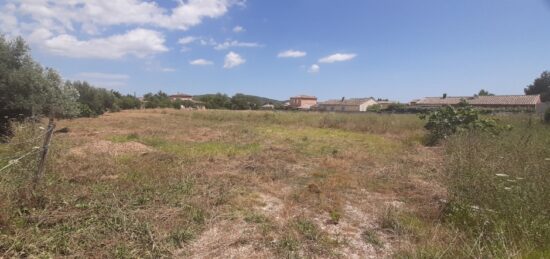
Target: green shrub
[
  {"x": 374, "y": 108},
  {"x": 449, "y": 120}
]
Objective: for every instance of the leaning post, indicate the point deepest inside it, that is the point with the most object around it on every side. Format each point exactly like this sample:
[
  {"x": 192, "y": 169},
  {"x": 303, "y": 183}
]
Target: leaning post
[{"x": 44, "y": 151}]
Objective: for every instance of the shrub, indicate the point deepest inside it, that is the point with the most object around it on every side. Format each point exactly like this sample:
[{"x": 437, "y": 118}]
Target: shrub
[
  {"x": 397, "y": 107},
  {"x": 449, "y": 120},
  {"x": 374, "y": 108}
]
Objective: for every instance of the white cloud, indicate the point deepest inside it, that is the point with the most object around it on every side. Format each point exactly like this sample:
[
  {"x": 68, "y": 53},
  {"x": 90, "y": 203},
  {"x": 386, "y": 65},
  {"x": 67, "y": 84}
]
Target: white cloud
[
  {"x": 8, "y": 21},
  {"x": 208, "y": 42},
  {"x": 232, "y": 60},
  {"x": 57, "y": 25},
  {"x": 201, "y": 62},
  {"x": 314, "y": 69},
  {"x": 292, "y": 54},
  {"x": 187, "y": 40},
  {"x": 231, "y": 44},
  {"x": 238, "y": 29},
  {"x": 138, "y": 42},
  {"x": 338, "y": 57},
  {"x": 93, "y": 15}
]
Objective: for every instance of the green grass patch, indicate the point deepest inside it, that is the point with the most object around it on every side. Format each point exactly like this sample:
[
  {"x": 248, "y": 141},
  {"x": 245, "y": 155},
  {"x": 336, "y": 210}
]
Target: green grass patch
[
  {"x": 315, "y": 142},
  {"x": 124, "y": 138}
]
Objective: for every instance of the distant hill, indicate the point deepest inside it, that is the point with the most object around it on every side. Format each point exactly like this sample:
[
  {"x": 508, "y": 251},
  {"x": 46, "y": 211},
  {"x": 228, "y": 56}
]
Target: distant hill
[{"x": 262, "y": 100}]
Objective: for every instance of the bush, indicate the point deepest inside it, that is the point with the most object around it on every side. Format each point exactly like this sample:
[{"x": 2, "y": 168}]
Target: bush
[
  {"x": 449, "y": 120},
  {"x": 397, "y": 107},
  {"x": 374, "y": 108}
]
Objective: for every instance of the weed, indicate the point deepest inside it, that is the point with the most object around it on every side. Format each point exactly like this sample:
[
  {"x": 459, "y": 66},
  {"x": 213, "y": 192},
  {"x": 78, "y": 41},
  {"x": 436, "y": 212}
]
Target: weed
[
  {"x": 181, "y": 236},
  {"x": 307, "y": 228},
  {"x": 370, "y": 237},
  {"x": 335, "y": 216}
]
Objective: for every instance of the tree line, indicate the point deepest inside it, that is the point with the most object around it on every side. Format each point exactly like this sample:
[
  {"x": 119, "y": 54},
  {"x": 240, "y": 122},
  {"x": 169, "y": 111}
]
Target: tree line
[
  {"x": 210, "y": 101},
  {"x": 29, "y": 90}
]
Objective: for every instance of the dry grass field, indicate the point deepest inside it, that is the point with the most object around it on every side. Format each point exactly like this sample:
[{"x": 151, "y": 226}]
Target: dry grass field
[{"x": 228, "y": 184}]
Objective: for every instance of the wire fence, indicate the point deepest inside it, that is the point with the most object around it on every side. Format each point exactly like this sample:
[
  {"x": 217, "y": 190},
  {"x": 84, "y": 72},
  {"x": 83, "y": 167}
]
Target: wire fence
[{"x": 28, "y": 148}]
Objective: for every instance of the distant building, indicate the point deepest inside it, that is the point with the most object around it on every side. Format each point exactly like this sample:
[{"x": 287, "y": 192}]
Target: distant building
[
  {"x": 384, "y": 104},
  {"x": 268, "y": 107},
  {"x": 181, "y": 97},
  {"x": 531, "y": 103},
  {"x": 347, "y": 105},
  {"x": 302, "y": 102},
  {"x": 189, "y": 104}
]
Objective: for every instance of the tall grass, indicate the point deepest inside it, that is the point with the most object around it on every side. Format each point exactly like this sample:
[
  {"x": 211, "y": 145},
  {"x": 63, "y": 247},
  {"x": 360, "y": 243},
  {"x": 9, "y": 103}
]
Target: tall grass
[
  {"x": 499, "y": 190},
  {"x": 362, "y": 122}
]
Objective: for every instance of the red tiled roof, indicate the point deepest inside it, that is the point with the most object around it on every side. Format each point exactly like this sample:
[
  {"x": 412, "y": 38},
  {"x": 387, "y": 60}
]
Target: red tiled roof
[
  {"x": 507, "y": 100},
  {"x": 496, "y": 100}
]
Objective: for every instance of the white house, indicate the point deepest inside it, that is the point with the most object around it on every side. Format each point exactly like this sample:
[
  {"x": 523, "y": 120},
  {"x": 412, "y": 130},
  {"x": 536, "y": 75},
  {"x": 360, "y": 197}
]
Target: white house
[{"x": 347, "y": 105}]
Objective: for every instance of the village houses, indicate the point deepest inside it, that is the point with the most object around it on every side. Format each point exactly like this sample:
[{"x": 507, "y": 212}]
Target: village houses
[
  {"x": 347, "y": 105},
  {"x": 529, "y": 103}
]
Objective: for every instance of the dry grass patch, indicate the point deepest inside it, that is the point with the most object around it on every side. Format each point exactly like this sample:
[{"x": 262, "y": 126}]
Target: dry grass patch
[{"x": 167, "y": 183}]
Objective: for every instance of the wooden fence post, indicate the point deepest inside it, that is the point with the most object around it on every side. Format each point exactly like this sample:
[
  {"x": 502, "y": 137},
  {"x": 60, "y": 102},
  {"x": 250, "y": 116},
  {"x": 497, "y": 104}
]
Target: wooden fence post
[{"x": 44, "y": 152}]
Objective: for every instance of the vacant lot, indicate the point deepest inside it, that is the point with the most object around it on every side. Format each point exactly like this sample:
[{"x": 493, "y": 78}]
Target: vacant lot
[{"x": 240, "y": 184}]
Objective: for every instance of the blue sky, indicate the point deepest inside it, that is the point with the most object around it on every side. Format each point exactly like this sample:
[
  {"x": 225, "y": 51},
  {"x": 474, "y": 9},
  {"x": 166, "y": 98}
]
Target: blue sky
[{"x": 396, "y": 49}]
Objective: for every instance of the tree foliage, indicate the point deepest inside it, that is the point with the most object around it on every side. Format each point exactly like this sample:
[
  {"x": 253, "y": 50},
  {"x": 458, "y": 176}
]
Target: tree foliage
[
  {"x": 449, "y": 120},
  {"x": 158, "y": 100},
  {"x": 98, "y": 100},
  {"x": 483, "y": 92},
  {"x": 127, "y": 102},
  {"x": 540, "y": 86},
  {"x": 215, "y": 101},
  {"x": 29, "y": 90},
  {"x": 245, "y": 102}
]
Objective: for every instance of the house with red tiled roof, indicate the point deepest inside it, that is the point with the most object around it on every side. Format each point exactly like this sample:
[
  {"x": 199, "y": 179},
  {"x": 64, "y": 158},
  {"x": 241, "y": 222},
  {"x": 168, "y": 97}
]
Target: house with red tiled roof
[
  {"x": 531, "y": 103},
  {"x": 302, "y": 102}
]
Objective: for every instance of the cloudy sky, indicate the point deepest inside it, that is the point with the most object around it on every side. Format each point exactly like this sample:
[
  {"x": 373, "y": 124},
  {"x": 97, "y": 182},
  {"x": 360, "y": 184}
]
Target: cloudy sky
[{"x": 397, "y": 49}]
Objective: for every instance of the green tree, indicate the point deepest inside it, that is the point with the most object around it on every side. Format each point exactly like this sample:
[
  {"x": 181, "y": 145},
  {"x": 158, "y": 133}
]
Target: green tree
[
  {"x": 215, "y": 101},
  {"x": 158, "y": 100},
  {"x": 98, "y": 100},
  {"x": 126, "y": 102},
  {"x": 245, "y": 102},
  {"x": 540, "y": 86},
  {"x": 483, "y": 92},
  {"x": 449, "y": 120},
  {"x": 27, "y": 89}
]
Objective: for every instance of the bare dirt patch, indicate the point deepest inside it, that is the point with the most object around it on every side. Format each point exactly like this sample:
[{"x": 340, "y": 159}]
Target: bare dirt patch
[{"x": 109, "y": 148}]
